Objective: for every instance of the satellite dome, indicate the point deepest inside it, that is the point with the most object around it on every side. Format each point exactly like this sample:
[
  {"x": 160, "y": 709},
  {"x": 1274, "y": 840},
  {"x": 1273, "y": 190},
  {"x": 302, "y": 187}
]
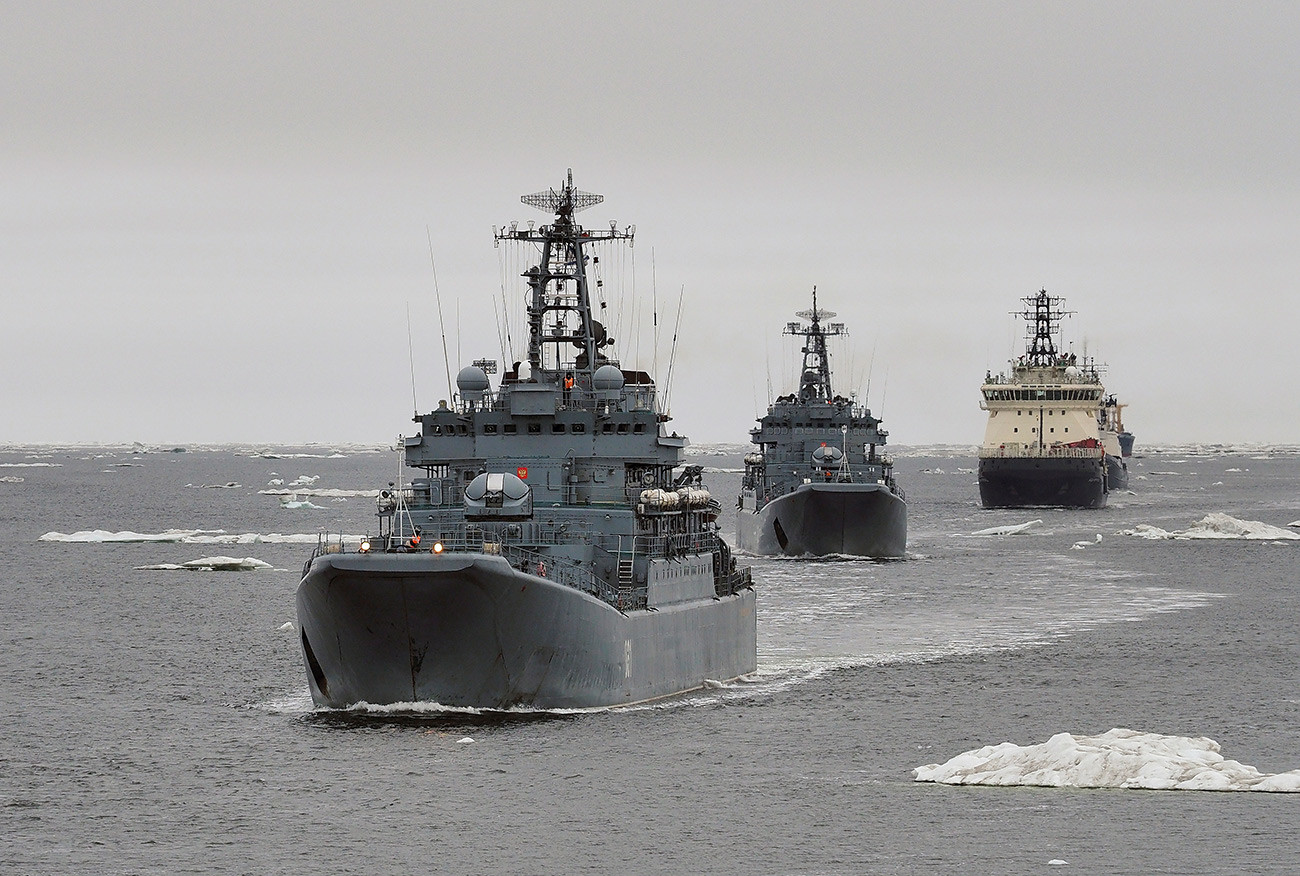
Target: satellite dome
[
  {"x": 1071, "y": 373},
  {"x": 471, "y": 378},
  {"x": 607, "y": 379}
]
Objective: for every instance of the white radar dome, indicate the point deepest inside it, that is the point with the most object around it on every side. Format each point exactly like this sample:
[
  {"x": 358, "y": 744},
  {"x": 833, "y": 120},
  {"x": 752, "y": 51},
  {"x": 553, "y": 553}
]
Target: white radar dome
[
  {"x": 471, "y": 378},
  {"x": 607, "y": 379}
]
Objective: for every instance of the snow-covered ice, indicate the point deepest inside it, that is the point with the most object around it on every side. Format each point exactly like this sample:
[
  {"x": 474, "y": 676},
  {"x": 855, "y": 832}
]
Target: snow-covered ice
[
  {"x": 210, "y": 564},
  {"x": 1119, "y": 758},
  {"x": 186, "y": 536},
  {"x": 1010, "y": 529},
  {"x": 1217, "y": 525}
]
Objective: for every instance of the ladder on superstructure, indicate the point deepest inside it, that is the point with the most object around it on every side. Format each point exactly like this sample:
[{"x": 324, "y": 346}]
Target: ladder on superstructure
[{"x": 626, "y": 574}]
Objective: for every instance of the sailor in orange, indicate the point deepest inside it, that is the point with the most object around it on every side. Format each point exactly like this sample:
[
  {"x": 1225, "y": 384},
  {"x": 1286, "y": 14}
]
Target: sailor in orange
[{"x": 414, "y": 543}]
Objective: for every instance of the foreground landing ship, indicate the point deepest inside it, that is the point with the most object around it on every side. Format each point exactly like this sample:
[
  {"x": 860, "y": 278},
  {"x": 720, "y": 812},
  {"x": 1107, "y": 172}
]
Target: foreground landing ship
[{"x": 553, "y": 551}]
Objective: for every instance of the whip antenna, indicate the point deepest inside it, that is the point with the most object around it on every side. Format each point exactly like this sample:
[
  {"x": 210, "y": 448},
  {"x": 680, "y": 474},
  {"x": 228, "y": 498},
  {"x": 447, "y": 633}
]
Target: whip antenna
[
  {"x": 410, "y": 351},
  {"x": 446, "y": 363}
]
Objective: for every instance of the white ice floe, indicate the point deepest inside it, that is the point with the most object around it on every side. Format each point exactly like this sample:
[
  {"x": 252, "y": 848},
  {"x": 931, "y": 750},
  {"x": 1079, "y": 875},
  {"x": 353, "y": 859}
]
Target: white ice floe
[
  {"x": 295, "y": 502},
  {"x": 1294, "y": 523},
  {"x": 229, "y": 485},
  {"x": 327, "y": 493},
  {"x": 285, "y": 627},
  {"x": 186, "y": 536},
  {"x": 1080, "y": 545},
  {"x": 31, "y": 465},
  {"x": 1119, "y": 758},
  {"x": 275, "y": 482},
  {"x": 1217, "y": 525},
  {"x": 1009, "y": 529},
  {"x": 10, "y": 479},
  {"x": 304, "y": 480},
  {"x": 210, "y": 564}
]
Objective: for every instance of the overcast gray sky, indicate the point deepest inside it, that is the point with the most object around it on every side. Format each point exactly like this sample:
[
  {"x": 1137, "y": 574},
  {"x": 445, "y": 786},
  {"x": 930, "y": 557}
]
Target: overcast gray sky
[{"x": 213, "y": 215}]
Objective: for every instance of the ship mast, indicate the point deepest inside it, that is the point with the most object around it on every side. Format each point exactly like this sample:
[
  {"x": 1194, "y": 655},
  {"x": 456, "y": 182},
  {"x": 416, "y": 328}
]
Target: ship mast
[
  {"x": 559, "y": 300},
  {"x": 1042, "y": 315},
  {"x": 815, "y": 376}
]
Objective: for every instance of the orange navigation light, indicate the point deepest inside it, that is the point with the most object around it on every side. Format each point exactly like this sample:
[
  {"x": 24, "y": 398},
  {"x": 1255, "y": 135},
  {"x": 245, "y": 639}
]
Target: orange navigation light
[
  {"x": 365, "y": 547},
  {"x": 437, "y": 547}
]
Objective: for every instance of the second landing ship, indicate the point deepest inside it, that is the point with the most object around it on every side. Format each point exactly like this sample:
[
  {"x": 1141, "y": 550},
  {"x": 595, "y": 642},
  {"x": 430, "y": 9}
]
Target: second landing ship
[
  {"x": 1050, "y": 438},
  {"x": 819, "y": 484}
]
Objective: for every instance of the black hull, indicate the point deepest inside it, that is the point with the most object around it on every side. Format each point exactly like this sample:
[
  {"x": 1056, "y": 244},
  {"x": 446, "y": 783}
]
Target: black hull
[
  {"x": 862, "y": 520},
  {"x": 1018, "y": 482},
  {"x": 470, "y": 630}
]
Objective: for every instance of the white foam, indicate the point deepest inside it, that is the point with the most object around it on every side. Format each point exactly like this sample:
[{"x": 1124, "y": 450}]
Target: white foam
[
  {"x": 185, "y": 536},
  {"x": 1119, "y": 758},
  {"x": 1010, "y": 529},
  {"x": 1218, "y": 525},
  {"x": 211, "y": 564}
]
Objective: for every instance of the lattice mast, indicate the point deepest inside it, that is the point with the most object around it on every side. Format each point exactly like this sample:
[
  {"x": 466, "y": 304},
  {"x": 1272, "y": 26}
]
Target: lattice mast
[
  {"x": 559, "y": 300},
  {"x": 815, "y": 376},
  {"x": 1042, "y": 315}
]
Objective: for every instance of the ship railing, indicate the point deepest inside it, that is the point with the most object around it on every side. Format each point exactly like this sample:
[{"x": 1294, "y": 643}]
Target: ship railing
[
  {"x": 469, "y": 538},
  {"x": 1033, "y": 451},
  {"x": 326, "y": 543},
  {"x": 659, "y": 546}
]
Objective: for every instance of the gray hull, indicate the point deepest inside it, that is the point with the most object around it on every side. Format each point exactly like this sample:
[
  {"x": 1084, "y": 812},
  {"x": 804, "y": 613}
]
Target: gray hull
[
  {"x": 470, "y": 630},
  {"x": 864, "y": 520},
  {"x": 1116, "y": 473}
]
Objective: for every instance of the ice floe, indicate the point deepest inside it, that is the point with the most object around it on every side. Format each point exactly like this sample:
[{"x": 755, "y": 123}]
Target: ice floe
[
  {"x": 1009, "y": 529},
  {"x": 186, "y": 536},
  {"x": 10, "y": 479},
  {"x": 294, "y": 502},
  {"x": 285, "y": 627},
  {"x": 1081, "y": 545},
  {"x": 210, "y": 564},
  {"x": 229, "y": 485},
  {"x": 31, "y": 465},
  {"x": 304, "y": 480},
  {"x": 1217, "y": 525},
  {"x": 275, "y": 482},
  {"x": 325, "y": 493},
  {"x": 1119, "y": 758}
]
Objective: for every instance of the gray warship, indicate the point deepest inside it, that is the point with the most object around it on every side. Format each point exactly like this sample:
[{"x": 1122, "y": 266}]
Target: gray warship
[
  {"x": 553, "y": 550},
  {"x": 1052, "y": 436},
  {"x": 819, "y": 484}
]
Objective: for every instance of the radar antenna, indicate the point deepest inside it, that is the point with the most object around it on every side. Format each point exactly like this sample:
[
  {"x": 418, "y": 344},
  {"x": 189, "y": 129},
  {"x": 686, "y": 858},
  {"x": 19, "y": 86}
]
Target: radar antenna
[{"x": 556, "y": 202}]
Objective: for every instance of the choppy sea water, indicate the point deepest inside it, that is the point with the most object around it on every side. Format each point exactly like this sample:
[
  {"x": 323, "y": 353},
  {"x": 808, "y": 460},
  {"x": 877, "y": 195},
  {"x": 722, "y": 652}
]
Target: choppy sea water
[{"x": 158, "y": 721}]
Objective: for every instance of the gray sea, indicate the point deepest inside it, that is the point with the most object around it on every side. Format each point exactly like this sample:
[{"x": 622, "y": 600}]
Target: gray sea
[{"x": 158, "y": 722}]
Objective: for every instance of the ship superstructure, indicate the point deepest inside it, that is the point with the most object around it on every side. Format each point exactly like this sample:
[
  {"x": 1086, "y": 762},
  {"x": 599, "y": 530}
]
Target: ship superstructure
[
  {"x": 552, "y": 550},
  {"x": 1046, "y": 438},
  {"x": 820, "y": 482}
]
